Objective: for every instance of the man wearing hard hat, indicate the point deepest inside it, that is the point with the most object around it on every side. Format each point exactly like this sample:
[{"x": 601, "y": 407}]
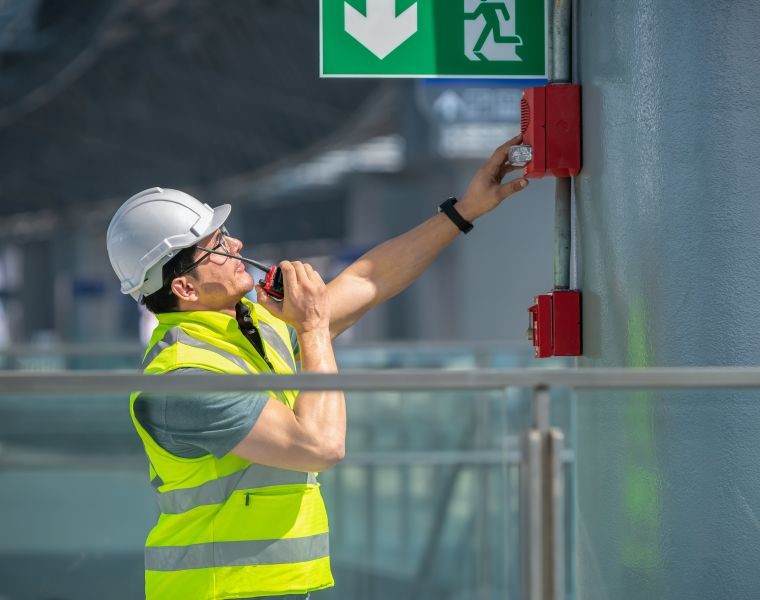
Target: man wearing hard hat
[{"x": 235, "y": 473}]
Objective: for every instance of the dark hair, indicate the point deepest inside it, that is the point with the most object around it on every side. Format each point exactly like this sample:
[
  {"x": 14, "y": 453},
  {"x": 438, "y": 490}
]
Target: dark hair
[{"x": 164, "y": 299}]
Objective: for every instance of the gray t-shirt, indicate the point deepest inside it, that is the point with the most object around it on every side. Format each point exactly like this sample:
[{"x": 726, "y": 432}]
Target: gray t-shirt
[{"x": 193, "y": 425}]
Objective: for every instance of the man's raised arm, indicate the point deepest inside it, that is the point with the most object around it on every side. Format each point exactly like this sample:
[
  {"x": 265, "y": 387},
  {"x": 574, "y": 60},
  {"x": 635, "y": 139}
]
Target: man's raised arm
[{"x": 392, "y": 266}]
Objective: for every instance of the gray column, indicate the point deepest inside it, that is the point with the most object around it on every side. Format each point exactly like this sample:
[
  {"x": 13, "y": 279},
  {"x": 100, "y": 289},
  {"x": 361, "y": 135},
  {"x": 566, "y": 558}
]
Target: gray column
[{"x": 669, "y": 249}]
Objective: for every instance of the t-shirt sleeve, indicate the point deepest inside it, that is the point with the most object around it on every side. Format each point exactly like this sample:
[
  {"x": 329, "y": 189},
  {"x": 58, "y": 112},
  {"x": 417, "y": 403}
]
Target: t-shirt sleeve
[{"x": 196, "y": 424}]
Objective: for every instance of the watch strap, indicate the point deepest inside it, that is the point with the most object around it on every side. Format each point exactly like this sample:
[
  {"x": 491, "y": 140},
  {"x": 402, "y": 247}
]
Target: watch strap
[{"x": 447, "y": 208}]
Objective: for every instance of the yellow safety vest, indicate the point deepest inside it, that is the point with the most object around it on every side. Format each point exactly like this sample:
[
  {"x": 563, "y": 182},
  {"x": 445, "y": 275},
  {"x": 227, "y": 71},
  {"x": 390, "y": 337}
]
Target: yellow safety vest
[{"x": 229, "y": 528}]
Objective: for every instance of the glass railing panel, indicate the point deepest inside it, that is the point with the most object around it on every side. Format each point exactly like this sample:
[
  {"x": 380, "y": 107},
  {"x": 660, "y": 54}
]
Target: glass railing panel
[
  {"x": 424, "y": 506},
  {"x": 74, "y": 504}
]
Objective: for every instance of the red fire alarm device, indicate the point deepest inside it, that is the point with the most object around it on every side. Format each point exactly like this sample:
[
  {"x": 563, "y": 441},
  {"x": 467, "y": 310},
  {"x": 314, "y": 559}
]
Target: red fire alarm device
[
  {"x": 555, "y": 324},
  {"x": 550, "y": 121}
]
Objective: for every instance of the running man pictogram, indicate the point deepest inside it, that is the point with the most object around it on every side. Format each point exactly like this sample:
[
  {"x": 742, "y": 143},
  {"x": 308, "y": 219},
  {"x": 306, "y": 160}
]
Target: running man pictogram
[{"x": 492, "y": 28}]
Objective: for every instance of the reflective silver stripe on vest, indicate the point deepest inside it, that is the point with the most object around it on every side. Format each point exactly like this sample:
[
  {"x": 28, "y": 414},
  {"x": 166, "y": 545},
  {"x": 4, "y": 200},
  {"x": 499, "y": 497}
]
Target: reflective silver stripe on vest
[
  {"x": 237, "y": 554},
  {"x": 177, "y": 335},
  {"x": 272, "y": 338},
  {"x": 217, "y": 491}
]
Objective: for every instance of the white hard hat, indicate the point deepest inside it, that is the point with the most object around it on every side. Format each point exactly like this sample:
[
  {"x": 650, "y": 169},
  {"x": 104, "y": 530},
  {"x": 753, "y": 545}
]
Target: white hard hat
[{"x": 152, "y": 227}]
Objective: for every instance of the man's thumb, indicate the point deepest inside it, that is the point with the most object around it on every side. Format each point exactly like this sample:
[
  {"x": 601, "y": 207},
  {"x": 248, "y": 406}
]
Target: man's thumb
[{"x": 264, "y": 299}]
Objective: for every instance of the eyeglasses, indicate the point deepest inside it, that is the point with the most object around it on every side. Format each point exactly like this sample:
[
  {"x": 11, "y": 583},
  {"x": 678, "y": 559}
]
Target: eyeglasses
[{"x": 221, "y": 243}]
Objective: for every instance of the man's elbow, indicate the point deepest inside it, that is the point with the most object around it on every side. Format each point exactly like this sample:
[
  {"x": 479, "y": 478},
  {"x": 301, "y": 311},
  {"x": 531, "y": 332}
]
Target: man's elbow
[{"x": 332, "y": 454}]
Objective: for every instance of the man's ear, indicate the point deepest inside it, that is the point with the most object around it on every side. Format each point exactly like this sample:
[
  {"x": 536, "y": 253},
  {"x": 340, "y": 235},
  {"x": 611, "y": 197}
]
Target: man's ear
[{"x": 184, "y": 289}]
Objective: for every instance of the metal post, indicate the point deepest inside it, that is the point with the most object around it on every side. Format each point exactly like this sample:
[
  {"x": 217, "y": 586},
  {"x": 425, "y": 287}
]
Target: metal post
[
  {"x": 560, "y": 51},
  {"x": 554, "y": 515},
  {"x": 560, "y": 61},
  {"x": 481, "y": 528},
  {"x": 542, "y": 505},
  {"x": 562, "y": 232},
  {"x": 540, "y": 408},
  {"x": 531, "y": 517}
]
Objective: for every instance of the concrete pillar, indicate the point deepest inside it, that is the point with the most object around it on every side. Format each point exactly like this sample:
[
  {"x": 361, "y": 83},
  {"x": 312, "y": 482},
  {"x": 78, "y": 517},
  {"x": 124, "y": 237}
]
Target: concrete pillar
[{"x": 669, "y": 220}]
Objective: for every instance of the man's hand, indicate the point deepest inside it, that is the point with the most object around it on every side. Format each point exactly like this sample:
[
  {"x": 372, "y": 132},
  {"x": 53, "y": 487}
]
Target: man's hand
[
  {"x": 486, "y": 191},
  {"x": 306, "y": 306}
]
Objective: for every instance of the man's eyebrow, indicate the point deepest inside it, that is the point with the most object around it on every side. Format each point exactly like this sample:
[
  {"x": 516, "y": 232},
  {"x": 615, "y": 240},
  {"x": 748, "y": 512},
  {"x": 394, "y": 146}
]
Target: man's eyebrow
[{"x": 215, "y": 240}]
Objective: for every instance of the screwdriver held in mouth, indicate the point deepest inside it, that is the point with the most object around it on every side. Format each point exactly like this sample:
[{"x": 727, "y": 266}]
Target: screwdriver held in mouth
[{"x": 272, "y": 282}]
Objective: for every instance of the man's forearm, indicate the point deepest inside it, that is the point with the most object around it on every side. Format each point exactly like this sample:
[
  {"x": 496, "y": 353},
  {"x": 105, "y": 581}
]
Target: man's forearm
[
  {"x": 323, "y": 413},
  {"x": 395, "y": 264},
  {"x": 389, "y": 269}
]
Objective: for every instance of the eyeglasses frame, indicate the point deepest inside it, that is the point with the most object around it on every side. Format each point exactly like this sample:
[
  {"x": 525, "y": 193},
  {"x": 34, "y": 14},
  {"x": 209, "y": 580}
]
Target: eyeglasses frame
[{"x": 222, "y": 243}]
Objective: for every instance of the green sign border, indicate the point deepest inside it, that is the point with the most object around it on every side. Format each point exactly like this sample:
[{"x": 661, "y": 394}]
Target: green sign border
[{"x": 425, "y": 46}]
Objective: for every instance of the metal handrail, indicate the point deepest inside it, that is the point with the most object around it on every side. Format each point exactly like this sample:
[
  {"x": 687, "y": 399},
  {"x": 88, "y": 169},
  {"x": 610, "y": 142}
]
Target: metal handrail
[
  {"x": 136, "y": 349},
  {"x": 98, "y": 382}
]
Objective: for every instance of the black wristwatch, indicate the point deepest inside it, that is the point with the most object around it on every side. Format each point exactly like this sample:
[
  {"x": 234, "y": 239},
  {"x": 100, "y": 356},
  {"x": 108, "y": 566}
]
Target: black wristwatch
[{"x": 447, "y": 208}]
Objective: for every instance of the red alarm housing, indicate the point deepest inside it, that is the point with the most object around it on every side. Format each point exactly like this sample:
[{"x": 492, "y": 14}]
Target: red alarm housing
[
  {"x": 555, "y": 324},
  {"x": 550, "y": 121}
]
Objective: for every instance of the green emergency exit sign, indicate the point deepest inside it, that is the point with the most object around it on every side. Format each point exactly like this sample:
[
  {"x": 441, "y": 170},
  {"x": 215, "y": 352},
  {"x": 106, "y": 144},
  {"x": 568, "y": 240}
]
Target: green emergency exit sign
[{"x": 433, "y": 38}]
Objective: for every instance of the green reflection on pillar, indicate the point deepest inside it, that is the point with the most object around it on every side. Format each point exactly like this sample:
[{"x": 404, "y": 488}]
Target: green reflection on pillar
[{"x": 641, "y": 503}]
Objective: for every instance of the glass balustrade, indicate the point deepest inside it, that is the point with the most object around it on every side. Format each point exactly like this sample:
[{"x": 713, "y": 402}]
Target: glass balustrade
[{"x": 425, "y": 505}]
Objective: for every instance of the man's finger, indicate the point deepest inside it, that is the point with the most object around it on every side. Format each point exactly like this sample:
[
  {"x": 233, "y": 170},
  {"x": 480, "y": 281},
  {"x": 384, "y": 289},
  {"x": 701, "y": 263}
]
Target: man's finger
[
  {"x": 289, "y": 277},
  {"x": 507, "y": 168},
  {"x": 508, "y": 144},
  {"x": 316, "y": 277},
  {"x": 267, "y": 301},
  {"x": 499, "y": 155},
  {"x": 309, "y": 270},
  {"x": 513, "y": 187},
  {"x": 300, "y": 271}
]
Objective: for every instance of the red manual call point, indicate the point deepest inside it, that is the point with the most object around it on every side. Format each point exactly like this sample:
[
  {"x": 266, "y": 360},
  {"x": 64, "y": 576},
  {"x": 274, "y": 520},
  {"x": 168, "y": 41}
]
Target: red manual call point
[{"x": 555, "y": 324}]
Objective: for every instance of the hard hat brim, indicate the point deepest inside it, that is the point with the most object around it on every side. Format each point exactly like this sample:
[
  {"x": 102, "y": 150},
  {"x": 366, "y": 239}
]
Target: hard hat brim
[{"x": 221, "y": 213}]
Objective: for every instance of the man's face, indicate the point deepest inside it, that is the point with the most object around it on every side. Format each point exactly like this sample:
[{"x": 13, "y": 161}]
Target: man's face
[{"x": 220, "y": 280}]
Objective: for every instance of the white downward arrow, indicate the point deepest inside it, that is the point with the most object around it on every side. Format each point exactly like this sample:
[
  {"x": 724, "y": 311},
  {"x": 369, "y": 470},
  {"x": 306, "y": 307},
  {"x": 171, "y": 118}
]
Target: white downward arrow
[{"x": 381, "y": 31}]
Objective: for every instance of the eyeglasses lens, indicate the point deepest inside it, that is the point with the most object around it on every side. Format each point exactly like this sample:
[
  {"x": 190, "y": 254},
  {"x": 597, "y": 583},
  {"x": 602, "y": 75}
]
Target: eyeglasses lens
[{"x": 221, "y": 244}]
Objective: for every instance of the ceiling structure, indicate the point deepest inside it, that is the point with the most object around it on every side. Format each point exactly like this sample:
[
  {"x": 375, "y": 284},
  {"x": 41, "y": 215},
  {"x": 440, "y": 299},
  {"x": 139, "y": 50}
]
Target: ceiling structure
[{"x": 97, "y": 103}]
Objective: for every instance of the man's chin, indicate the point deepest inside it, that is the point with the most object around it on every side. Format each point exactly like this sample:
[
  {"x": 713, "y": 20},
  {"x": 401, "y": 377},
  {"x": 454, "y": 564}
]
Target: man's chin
[{"x": 246, "y": 285}]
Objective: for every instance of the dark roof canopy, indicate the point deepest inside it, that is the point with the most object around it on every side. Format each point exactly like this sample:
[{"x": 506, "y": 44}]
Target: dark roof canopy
[{"x": 97, "y": 103}]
